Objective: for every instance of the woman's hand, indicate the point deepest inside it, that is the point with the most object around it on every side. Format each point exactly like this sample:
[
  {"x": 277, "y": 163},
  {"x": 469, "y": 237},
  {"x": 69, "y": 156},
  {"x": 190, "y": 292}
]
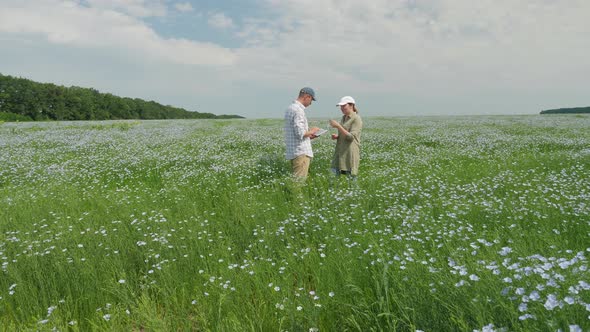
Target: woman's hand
[
  {"x": 334, "y": 136},
  {"x": 334, "y": 124}
]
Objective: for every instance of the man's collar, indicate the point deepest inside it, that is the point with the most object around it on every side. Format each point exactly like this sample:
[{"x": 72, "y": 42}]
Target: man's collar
[{"x": 298, "y": 102}]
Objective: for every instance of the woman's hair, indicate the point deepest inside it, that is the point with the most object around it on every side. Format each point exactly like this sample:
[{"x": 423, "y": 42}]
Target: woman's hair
[{"x": 354, "y": 108}]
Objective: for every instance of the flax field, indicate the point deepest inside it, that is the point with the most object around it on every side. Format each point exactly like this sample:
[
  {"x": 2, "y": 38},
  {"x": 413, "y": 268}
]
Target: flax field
[{"x": 467, "y": 223}]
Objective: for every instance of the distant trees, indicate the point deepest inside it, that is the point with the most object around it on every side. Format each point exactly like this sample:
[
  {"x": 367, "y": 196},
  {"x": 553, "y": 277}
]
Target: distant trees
[
  {"x": 25, "y": 100},
  {"x": 574, "y": 110}
]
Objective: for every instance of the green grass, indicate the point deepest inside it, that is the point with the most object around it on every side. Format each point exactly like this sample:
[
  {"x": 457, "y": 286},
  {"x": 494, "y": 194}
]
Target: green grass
[{"x": 454, "y": 224}]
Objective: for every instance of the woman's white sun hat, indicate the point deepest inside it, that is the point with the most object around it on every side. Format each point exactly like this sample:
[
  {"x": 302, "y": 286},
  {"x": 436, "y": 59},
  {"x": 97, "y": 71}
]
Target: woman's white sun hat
[{"x": 346, "y": 100}]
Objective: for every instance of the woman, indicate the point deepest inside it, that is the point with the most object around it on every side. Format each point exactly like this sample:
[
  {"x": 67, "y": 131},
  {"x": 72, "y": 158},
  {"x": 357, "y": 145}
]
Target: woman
[{"x": 348, "y": 140}]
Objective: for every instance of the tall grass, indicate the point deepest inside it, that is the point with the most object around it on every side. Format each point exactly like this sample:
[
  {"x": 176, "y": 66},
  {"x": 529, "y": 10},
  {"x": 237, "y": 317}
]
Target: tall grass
[{"x": 454, "y": 224}]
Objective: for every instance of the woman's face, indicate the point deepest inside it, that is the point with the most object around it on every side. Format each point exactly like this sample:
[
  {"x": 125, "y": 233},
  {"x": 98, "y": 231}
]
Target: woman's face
[{"x": 346, "y": 109}]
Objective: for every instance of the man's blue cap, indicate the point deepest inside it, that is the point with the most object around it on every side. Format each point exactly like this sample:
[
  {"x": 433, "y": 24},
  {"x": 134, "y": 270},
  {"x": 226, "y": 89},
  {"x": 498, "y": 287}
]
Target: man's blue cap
[{"x": 309, "y": 91}]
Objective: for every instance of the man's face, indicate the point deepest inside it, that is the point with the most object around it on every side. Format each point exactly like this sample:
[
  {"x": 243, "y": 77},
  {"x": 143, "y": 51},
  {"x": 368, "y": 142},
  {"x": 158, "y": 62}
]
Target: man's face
[{"x": 307, "y": 100}]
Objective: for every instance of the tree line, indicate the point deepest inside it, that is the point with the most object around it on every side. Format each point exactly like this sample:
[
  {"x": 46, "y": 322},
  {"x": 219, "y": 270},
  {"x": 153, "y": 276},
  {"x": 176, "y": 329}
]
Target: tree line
[
  {"x": 573, "y": 110},
  {"x": 25, "y": 100}
]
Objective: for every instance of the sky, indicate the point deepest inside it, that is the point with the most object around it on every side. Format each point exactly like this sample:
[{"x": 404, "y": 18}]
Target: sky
[{"x": 251, "y": 57}]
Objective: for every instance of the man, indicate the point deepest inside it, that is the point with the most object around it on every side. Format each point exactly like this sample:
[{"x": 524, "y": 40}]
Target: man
[{"x": 298, "y": 135}]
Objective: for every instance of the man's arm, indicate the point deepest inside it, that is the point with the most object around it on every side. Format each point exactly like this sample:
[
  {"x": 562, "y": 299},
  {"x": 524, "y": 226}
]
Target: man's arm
[{"x": 301, "y": 129}]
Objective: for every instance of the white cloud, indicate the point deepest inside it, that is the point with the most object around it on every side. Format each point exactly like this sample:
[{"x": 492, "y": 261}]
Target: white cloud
[
  {"x": 184, "y": 7},
  {"x": 137, "y": 8},
  {"x": 220, "y": 21},
  {"x": 69, "y": 23},
  {"x": 437, "y": 45},
  {"x": 417, "y": 55}
]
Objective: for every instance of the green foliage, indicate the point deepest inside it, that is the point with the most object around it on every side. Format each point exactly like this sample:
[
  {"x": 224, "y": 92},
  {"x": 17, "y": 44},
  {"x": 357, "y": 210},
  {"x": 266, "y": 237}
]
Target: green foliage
[
  {"x": 573, "y": 110},
  {"x": 454, "y": 224},
  {"x": 12, "y": 117},
  {"x": 25, "y": 100}
]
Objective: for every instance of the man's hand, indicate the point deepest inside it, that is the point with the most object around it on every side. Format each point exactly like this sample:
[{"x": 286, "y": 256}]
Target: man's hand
[{"x": 311, "y": 133}]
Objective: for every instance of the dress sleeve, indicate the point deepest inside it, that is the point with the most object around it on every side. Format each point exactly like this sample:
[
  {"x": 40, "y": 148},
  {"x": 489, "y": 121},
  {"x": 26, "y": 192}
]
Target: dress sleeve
[{"x": 354, "y": 134}]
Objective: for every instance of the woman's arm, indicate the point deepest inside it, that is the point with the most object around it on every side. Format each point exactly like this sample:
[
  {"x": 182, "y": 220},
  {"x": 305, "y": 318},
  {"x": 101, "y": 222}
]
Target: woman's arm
[
  {"x": 341, "y": 130},
  {"x": 355, "y": 129}
]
